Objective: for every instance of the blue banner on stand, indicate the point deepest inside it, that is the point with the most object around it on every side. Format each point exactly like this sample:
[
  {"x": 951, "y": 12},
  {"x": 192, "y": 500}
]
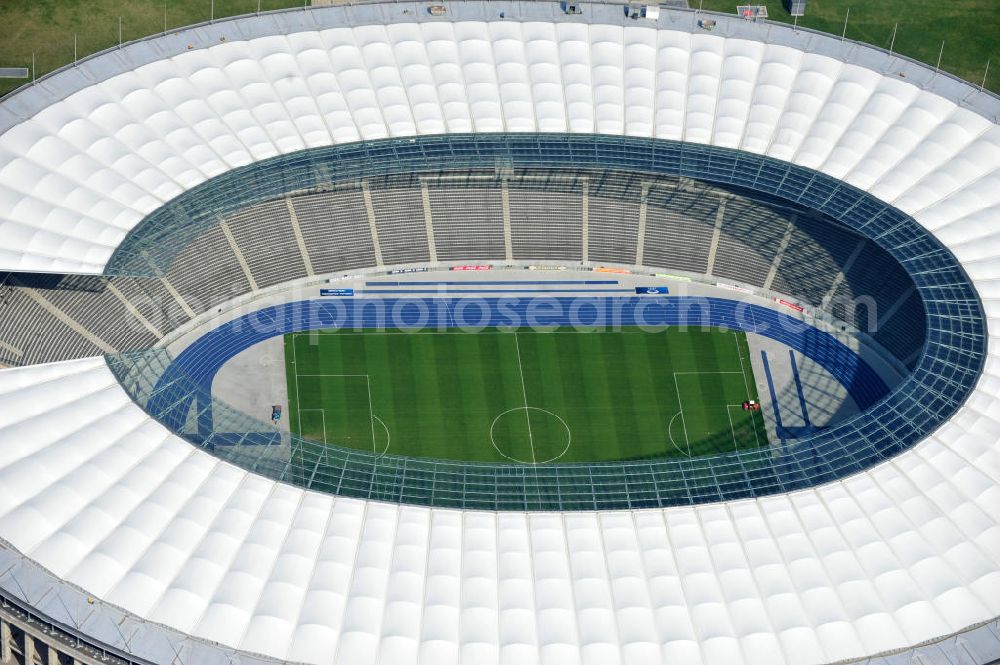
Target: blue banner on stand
[
  {"x": 653, "y": 290},
  {"x": 336, "y": 292}
]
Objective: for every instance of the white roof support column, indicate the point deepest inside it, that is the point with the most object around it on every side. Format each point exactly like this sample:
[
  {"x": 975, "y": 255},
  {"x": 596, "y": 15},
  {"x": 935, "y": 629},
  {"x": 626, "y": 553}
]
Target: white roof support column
[
  {"x": 585, "y": 208},
  {"x": 716, "y": 234},
  {"x": 70, "y": 321},
  {"x": 425, "y": 196},
  {"x": 174, "y": 293},
  {"x": 28, "y": 648},
  {"x": 239, "y": 255},
  {"x": 177, "y": 296},
  {"x": 11, "y": 349},
  {"x": 299, "y": 240},
  {"x": 6, "y": 654},
  {"x": 782, "y": 246},
  {"x": 641, "y": 240},
  {"x": 508, "y": 246},
  {"x": 116, "y": 292},
  {"x": 366, "y": 193}
]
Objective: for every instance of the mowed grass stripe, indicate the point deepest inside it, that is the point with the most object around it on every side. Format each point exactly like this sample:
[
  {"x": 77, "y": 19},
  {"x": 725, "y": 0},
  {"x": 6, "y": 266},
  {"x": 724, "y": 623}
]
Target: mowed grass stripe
[
  {"x": 502, "y": 387},
  {"x": 477, "y": 370},
  {"x": 756, "y": 429},
  {"x": 383, "y": 395},
  {"x": 397, "y": 375},
  {"x": 511, "y": 431},
  {"x": 560, "y": 390},
  {"x": 622, "y": 405},
  {"x": 644, "y": 392},
  {"x": 439, "y": 393},
  {"x": 659, "y": 361},
  {"x": 545, "y": 377},
  {"x": 430, "y": 381},
  {"x": 711, "y": 391},
  {"x": 602, "y": 425}
]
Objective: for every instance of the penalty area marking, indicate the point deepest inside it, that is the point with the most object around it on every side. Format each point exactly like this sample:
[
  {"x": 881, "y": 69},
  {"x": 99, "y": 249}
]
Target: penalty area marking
[
  {"x": 524, "y": 393},
  {"x": 371, "y": 413},
  {"x": 680, "y": 405},
  {"x": 388, "y": 437},
  {"x": 746, "y": 382},
  {"x": 322, "y": 413},
  {"x": 732, "y": 425},
  {"x": 670, "y": 433},
  {"x": 526, "y": 409}
]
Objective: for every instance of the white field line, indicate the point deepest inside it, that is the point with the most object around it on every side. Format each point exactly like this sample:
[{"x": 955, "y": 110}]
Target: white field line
[
  {"x": 732, "y": 425},
  {"x": 525, "y": 330},
  {"x": 524, "y": 393},
  {"x": 709, "y": 373},
  {"x": 680, "y": 405},
  {"x": 334, "y": 375},
  {"x": 322, "y": 413},
  {"x": 298, "y": 401},
  {"x": 371, "y": 413},
  {"x": 746, "y": 383},
  {"x": 670, "y": 434}
]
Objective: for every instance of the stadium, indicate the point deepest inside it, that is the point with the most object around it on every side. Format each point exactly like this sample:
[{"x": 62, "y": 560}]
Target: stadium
[{"x": 499, "y": 333}]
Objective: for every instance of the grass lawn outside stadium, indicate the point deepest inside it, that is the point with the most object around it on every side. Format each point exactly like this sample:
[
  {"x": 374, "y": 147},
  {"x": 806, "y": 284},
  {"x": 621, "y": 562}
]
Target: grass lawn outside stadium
[{"x": 524, "y": 396}]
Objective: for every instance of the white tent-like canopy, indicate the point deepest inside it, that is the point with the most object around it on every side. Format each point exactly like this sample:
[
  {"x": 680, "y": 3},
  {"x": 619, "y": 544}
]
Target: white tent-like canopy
[
  {"x": 79, "y": 173},
  {"x": 170, "y": 542}
]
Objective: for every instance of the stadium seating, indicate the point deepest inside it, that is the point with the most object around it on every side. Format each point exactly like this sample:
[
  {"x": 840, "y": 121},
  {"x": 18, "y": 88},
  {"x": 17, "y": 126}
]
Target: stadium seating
[
  {"x": 874, "y": 537},
  {"x": 816, "y": 254},
  {"x": 263, "y": 232},
  {"x": 207, "y": 272},
  {"x": 468, "y": 218},
  {"x": 399, "y": 220},
  {"x": 30, "y": 334},
  {"x": 103, "y": 314},
  {"x": 680, "y": 223},
  {"x": 546, "y": 209},
  {"x": 614, "y": 203},
  {"x": 335, "y": 230},
  {"x": 150, "y": 297},
  {"x": 556, "y": 198},
  {"x": 750, "y": 238}
]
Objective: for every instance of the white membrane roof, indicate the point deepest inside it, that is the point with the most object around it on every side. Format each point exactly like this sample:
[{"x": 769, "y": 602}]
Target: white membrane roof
[
  {"x": 96, "y": 492},
  {"x": 79, "y": 173},
  {"x": 170, "y": 541}
]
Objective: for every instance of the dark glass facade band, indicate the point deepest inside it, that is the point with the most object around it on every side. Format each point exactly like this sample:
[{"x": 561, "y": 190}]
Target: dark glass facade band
[{"x": 941, "y": 381}]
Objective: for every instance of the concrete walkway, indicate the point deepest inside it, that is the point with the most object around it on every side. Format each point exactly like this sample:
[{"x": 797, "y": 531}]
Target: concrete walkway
[{"x": 254, "y": 381}]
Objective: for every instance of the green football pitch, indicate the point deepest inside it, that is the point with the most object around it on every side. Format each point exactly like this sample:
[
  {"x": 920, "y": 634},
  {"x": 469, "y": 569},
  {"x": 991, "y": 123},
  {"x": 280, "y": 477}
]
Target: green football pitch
[{"x": 524, "y": 396}]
